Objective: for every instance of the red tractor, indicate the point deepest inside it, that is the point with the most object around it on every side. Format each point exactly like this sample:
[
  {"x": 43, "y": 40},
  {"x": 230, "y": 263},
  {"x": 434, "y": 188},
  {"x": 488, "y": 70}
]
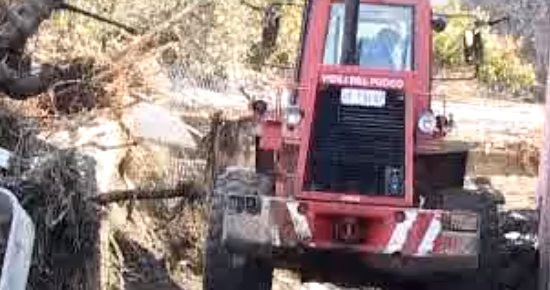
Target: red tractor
[{"x": 352, "y": 180}]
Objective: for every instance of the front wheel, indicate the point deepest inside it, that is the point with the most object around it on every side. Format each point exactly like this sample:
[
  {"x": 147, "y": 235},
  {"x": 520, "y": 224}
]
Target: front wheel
[
  {"x": 225, "y": 270},
  {"x": 485, "y": 205}
]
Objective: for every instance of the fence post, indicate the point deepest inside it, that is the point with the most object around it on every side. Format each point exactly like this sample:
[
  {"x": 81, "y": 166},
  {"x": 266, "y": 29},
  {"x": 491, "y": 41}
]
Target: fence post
[{"x": 543, "y": 199}]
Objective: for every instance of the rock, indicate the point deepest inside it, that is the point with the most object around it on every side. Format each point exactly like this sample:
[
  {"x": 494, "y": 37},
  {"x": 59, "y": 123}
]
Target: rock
[{"x": 159, "y": 125}]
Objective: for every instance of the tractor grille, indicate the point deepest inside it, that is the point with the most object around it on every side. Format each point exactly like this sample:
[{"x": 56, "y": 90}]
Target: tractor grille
[{"x": 357, "y": 150}]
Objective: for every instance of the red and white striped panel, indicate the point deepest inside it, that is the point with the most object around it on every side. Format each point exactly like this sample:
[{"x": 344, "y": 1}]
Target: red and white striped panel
[
  {"x": 422, "y": 233},
  {"x": 416, "y": 235}
]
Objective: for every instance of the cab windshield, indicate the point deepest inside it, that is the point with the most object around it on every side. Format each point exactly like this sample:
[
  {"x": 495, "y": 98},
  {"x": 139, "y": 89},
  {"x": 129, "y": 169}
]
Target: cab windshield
[{"x": 383, "y": 37}]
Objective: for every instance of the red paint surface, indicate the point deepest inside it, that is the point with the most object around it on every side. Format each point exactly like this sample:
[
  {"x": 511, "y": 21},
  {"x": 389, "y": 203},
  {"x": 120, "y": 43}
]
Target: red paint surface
[
  {"x": 380, "y": 225},
  {"x": 418, "y": 232}
]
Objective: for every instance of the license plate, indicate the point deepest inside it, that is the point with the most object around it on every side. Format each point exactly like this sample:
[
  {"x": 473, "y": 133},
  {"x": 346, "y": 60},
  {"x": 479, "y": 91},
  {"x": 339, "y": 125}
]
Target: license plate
[{"x": 363, "y": 97}]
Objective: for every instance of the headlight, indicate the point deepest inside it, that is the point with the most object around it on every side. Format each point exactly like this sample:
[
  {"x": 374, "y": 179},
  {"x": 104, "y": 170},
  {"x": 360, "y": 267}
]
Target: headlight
[
  {"x": 427, "y": 123},
  {"x": 293, "y": 116}
]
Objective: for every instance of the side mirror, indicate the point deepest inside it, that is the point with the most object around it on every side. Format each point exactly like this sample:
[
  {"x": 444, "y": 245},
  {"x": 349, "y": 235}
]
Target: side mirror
[
  {"x": 473, "y": 47},
  {"x": 439, "y": 23}
]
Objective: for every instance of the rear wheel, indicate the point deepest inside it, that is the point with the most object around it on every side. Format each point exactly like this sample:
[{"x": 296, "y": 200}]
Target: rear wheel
[
  {"x": 485, "y": 205},
  {"x": 225, "y": 270}
]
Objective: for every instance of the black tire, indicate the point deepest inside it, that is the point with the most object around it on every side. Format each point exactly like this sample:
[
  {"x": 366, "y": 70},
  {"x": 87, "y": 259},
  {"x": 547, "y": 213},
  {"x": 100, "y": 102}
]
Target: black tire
[
  {"x": 224, "y": 270},
  {"x": 485, "y": 278}
]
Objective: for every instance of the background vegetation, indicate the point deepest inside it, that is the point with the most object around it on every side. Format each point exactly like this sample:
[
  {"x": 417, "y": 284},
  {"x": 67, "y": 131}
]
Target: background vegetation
[
  {"x": 504, "y": 67},
  {"x": 222, "y": 40}
]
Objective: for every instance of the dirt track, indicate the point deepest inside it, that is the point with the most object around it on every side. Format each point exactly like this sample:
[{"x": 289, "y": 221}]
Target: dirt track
[{"x": 508, "y": 136}]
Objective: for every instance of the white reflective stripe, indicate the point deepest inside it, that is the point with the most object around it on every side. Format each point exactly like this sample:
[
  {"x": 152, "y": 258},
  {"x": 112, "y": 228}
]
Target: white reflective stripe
[
  {"x": 275, "y": 236},
  {"x": 427, "y": 245},
  {"x": 298, "y": 220},
  {"x": 400, "y": 233}
]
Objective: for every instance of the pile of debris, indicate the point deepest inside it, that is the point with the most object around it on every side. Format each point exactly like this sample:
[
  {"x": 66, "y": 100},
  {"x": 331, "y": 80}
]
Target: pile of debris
[
  {"x": 76, "y": 181},
  {"x": 53, "y": 187}
]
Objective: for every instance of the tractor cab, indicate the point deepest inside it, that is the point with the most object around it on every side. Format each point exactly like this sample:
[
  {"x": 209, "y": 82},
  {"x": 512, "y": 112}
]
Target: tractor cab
[
  {"x": 365, "y": 100},
  {"x": 360, "y": 117}
]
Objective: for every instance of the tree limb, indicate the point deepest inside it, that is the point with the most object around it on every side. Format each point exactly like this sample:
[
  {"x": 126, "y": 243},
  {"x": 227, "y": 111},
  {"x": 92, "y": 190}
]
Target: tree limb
[
  {"x": 252, "y": 6},
  {"x": 190, "y": 191},
  {"x": 277, "y": 3},
  {"x": 74, "y": 9},
  {"x": 125, "y": 57}
]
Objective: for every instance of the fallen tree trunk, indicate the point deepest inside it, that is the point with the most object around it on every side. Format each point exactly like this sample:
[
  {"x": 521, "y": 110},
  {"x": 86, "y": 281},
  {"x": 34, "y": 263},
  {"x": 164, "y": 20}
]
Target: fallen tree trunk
[{"x": 192, "y": 192}]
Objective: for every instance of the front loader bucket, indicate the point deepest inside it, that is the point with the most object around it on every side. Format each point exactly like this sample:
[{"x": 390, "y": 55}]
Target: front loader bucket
[{"x": 17, "y": 235}]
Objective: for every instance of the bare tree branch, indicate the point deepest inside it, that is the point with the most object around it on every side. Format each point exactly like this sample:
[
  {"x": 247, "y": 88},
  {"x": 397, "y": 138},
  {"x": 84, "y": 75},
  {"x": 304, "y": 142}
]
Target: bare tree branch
[
  {"x": 191, "y": 191},
  {"x": 125, "y": 57},
  {"x": 252, "y": 6}
]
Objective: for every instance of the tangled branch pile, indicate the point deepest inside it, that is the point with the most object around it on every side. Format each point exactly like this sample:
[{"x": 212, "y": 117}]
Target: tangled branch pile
[
  {"x": 66, "y": 252},
  {"x": 53, "y": 186}
]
